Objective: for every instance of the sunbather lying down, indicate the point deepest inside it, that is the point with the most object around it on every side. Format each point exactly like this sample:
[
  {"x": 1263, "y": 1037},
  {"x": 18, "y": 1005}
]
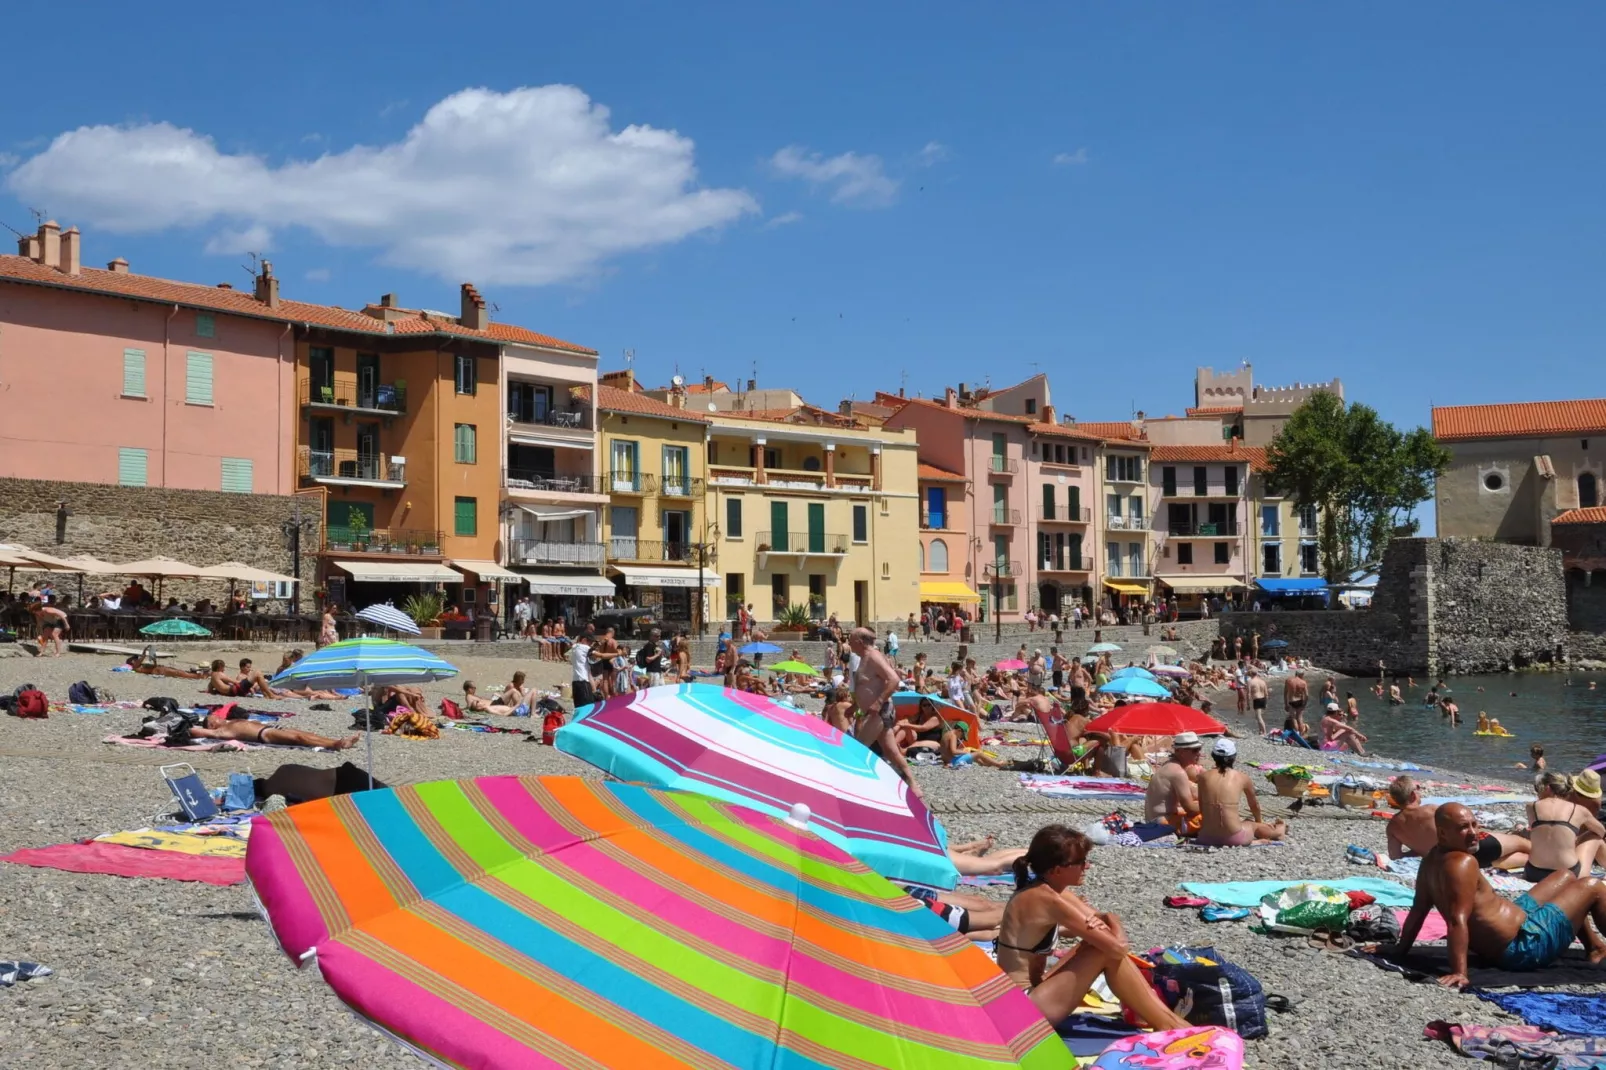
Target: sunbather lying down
[
  {"x": 972, "y": 860},
  {"x": 303, "y": 783},
  {"x": 218, "y": 726}
]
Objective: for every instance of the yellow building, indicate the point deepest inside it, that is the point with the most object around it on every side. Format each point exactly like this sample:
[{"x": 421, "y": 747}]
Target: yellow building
[
  {"x": 805, "y": 508},
  {"x": 655, "y": 531}
]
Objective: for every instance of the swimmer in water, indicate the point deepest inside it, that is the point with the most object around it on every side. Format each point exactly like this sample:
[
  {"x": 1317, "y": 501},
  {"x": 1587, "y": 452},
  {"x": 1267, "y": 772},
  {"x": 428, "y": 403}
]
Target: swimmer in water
[
  {"x": 1536, "y": 755},
  {"x": 1483, "y": 721},
  {"x": 1494, "y": 726},
  {"x": 1394, "y": 695}
]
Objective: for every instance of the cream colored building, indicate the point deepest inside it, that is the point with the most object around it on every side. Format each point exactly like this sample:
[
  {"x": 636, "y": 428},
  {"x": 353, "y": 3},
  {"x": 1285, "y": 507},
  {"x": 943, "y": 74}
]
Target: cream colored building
[{"x": 805, "y": 508}]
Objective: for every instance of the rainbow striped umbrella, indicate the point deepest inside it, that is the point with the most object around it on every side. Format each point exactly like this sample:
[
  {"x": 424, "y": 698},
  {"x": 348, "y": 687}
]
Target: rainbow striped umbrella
[
  {"x": 565, "y": 922},
  {"x": 746, "y": 749}
]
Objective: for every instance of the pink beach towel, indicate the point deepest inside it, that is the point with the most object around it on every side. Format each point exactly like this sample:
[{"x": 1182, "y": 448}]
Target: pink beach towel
[{"x": 117, "y": 860}]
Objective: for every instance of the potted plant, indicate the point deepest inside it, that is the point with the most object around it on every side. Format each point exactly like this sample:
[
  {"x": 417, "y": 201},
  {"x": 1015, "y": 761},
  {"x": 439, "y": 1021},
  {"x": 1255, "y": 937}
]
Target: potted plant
[
  {"x": 425, "y": 609},
  {"x": 792, "y": 618},
  {"x": 357, "y": 523}
]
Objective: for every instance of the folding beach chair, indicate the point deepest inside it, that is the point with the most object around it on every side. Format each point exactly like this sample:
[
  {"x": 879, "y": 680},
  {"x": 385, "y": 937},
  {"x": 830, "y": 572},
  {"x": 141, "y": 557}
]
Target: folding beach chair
[
  {"x": 191, "y": 793},
  {"x": 1052, "y": 722}
]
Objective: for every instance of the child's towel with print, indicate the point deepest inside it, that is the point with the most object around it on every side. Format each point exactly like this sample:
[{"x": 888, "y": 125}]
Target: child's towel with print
[
  {"x": 1065, "y": 787},
  {"x": 1194, "y": 1048},
  {"x": 12, "y": 971},
  {"x": 1521, "y": 1046},
  {"x": 183, "y": 842},
  {"x": 1250, "y": 893},
  {"x": 1564, "y": 1012}
]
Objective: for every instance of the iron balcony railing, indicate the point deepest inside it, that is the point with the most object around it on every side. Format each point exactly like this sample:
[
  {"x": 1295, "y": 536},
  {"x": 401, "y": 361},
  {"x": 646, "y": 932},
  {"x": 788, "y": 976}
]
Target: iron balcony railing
[
  {"x": 1218, "y": 529},
  {"x": 627, "y": 549},
  {"x": 416, "y": 541},
  {"x": 578, "y": 419},
  {"x": 1064, "y": 514},
  {"x": 933, "y": 521},
  {"x": 1124, "y": 523},
  {"x": 1003, "y": 570},
  {"x": 544, "y": 552},
  {"x": 1005, "y": 518},
  {"x": 801, "y": 542},
  {"x": 1003, "y": 465},
  {"x": 625, "y": 481},
  {"x": 348, "y": 464},
  {"x": 379, "y": 398},
  {"x": 536, "y": 479},
  {"x": 1065, "y": 563},
  {"x": 681, "y": 486}
]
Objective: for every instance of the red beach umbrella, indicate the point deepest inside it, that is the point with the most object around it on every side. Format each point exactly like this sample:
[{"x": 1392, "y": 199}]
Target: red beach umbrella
[{"x": 1156, "y": 719}]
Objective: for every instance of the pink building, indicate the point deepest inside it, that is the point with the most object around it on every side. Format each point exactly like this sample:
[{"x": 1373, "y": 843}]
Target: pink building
[
  {"x": 111, "y": 377},
  {"x": 945, "y": 565},
  {"x": 1200, "y": 506},
  {"x": 1061, "y": 470}
]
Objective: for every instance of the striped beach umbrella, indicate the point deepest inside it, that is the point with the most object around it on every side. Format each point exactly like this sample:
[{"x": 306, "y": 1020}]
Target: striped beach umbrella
[
  {"x": 1103, "y": 648},
  {"x": 1132, "y": 671},
  {"x": 566, "y": 922},
  {"x": 388, "y": 616},
  {"x": 1136, "y": 685},
  {"x": 746, "y": 749},
  {"x": 366, "y": 660}
]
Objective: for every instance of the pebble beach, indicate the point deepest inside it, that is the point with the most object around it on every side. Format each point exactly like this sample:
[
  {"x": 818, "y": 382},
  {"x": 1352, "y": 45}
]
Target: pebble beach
[{"x": 176, "y": 974}]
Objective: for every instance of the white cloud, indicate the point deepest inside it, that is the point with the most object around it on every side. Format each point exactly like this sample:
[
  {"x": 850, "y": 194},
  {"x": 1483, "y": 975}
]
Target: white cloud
[
  {"x": 9, "y": 160},
  {"x": 783, "y": 219},
  {"x": 318, "y": 275},
  {"x": 854, "y": 180},
  {"x": 933, "y": 153},
  {"x": 1070, "y": 159},
  {"x": 529, "y": 187},
  {"x": 255, "y": 238}
]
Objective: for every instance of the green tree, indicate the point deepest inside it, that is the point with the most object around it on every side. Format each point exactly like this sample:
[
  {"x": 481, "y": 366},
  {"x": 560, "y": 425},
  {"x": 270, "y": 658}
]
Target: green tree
[{"x": 1363, "y": 474}]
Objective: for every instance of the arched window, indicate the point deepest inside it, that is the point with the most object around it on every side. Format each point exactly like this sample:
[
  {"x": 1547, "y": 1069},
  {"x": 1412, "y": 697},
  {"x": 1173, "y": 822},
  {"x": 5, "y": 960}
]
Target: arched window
[
  {"x": 922, "y": 557},
  {"x": 1588, "y": 491},
  {"x": 939, "y": 556}
]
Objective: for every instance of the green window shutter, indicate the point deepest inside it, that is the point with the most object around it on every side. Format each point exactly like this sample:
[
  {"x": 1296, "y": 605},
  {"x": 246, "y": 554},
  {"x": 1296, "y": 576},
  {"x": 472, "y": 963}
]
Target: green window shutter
[
  {"x": 198, "y": 378},
  {"x": 1074, "y": 504},
  {"x": 237, "y": 475},
  {"x": 205, "y": 325},
  {"x": 778, "y": 531},
  {"x": 465, "y": 443},
  {"x": 131, "y": 467},
  {"x": 465, "y": 517},
  {"x": 133, "y": 373},
  {"x": 816, "y": 527}
]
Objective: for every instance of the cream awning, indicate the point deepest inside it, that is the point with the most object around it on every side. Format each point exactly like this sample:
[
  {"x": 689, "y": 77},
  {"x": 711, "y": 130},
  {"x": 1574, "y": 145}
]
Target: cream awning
[
  {"x": 574, "y": 583},
  {"x": 485, "y": 570},
  {"x": 398, "y": 572},
  {"x": 643, "y": 576},
  {"x": 1201, "y": 583},
  {"x": 157, "y": 567},
  {"x": 946, "y": 591},
  {"x": 545, "y": 513}
]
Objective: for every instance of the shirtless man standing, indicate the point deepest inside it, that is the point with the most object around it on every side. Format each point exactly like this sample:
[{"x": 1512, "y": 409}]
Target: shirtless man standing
[
  {"x": 873, "y": 686},
  {"x": 1296, "y": 692},
  {"x": 1257, "y": 697},
  {"x": 1411, "y": 832},
  {"x": 1171, "y": 797},
  {"x": 1219, "y": 791},
  {"x": 52, "y": 623},
  {"x": 1528, "y": 934}
]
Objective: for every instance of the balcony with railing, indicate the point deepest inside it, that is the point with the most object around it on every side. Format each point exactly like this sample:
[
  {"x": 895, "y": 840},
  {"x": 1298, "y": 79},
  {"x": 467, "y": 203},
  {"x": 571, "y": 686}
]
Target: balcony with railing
[
  {"x": 545, "y": 552},
  {"x": 1127, "y": 571},
  {"x": 732, "y": 475},
  {"x": 795, "y": 478},
  {"x": 628, "y": 549},
  {"x": 349, "y": 466},
  {"x": 802, "y": 542},
  {"x": 1002, "y": 466},
  {"x": 542, "y": 479},
  {"x": 1064, "y": 514},
  {"x": 681, "y": 486},
  {"x": 1124, "y": 523},
  {"x": 1065, "y": 563},
  {"x": 624, "y": 481},
  {"x": 1005, "y": 518},
  {"x": 538, "y": 418},
  {"x": 855, "y": 480},
  {"x": 930, "y": 521},
  {"x": 1188, "y": 529},
  {"x": 1002, "y": 570},
  {"x": 414, "y": 542},
  {"x": 363, "y": 399}
]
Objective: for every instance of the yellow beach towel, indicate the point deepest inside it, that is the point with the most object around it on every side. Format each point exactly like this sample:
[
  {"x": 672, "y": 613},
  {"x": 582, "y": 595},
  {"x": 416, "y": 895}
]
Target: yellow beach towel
[{"x": 183, "y": 842}]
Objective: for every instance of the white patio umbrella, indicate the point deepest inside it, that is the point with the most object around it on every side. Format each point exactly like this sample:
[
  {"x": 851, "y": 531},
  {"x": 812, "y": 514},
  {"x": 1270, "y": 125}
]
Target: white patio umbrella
[{"x": 388, "y": 616}]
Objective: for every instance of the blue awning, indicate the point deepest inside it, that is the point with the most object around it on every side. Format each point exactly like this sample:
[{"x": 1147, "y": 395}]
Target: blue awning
[{"x": 1303, "y": 585}]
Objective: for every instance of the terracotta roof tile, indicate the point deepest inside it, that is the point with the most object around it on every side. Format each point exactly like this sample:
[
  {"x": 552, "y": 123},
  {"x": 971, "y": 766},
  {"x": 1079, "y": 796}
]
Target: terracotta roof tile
[
  {"x": 612, "y": 399},
  {"x": 700, "y": 388},
  {"x": 939, "y": 475},
  {"x": 1253, "y": 456},
  {"x": 1110, "y": 429},
  {"x": 244, "y": 303},
  {"x": 1213, "y": 410},
  {"x": 1593, "y": 515},
  {"x": 974, "y": 414},
  {"x": 1076, "y": 431},
  {"x": 1524, "y": 419}
]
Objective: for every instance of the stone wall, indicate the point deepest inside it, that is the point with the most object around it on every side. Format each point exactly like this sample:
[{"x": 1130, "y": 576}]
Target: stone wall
[{"x": 119, "y": 524}]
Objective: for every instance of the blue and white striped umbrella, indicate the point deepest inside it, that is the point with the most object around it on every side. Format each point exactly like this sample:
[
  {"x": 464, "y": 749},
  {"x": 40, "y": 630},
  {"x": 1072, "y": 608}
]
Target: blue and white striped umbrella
[
  {"x": 388, "y": 616},
  {"x": 366, "y": 660},
  {"x": 1136, "y": 685}
]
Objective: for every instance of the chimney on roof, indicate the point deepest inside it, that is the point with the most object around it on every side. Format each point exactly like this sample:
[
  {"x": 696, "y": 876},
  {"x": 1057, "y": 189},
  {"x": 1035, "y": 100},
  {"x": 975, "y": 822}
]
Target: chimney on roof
[
  {"x": 1048, "y": 414},
  {"x": 267, "y": 286},
  {"x": 474, "y": 314},
  {"x": 752, "y": 384},
  {"x": 225, "y": 285},
  {"x": 949, "y": 398},
  {"x": 118, "y": 266},
  {"x": 28, "y": 246},
  {"x": 387, "y": 301},
  {"x": 50, "y": 244},
  {"x": 677, "y": 393},
  {"x": 70, "y": 249}
]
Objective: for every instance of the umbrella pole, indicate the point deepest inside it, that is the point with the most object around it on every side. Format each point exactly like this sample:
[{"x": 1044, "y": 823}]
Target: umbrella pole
[{"x": 368, "y": 727}]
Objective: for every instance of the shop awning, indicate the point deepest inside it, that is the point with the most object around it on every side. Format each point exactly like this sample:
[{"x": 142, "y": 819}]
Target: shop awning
[
  {"x": 946, "y": 591},
  {"x": 644, "y": 576},
  {"x": 1126, "y": 588},
  {"x": 587, "y": 584},
  {"x": 1200, "y": 583},
  {"x": 545, "y": 513},
  {"x": 1297, "y": 586},
  {"x": 398, "y": 572},
  {"x": 486, "y": 570}
]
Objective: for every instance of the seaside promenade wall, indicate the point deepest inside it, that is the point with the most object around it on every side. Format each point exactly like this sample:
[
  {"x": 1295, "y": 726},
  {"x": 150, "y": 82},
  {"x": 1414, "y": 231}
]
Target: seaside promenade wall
[
  {"x": 118, "y": 524},
  {"x": 1441, "y": 606}
]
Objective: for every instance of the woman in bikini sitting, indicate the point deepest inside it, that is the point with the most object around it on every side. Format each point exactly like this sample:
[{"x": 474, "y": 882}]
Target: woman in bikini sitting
[
  {"x": 1555, "y": 823},
  {"x": 1056, "y": 860},
  {"x": 221, "y": 725}
]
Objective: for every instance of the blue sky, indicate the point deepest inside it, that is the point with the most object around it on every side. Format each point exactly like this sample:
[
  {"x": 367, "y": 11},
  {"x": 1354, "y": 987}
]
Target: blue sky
[{"x": 1407, "y": 196}]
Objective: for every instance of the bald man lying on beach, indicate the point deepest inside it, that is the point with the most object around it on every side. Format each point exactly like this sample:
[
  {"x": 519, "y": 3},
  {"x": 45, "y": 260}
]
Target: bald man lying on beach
[{"x": 1528, "y": 934}]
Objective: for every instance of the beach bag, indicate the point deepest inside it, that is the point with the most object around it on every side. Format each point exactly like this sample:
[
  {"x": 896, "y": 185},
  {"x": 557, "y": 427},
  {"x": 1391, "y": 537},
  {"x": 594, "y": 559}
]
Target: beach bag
[
  {"x": 171, "y": 728},
  {"x": 31, "y": 702},
  {"x": 1209, "y": 1048},
  {"x": 1302, "y": 909},
  {"x": 241, "y": 794},
  {"x": 451, "y": 709},
  {"x": 1206, "y": 989},
  {"x": 161, "y": 704},
  {"x": 81, "y": 694}
]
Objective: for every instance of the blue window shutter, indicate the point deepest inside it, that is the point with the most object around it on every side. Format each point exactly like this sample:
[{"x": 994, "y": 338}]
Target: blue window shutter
[
  {"x": 198, "y": 378},
  {"x": 205, "y": 325},
  {"x": 131, "y": 467},
  {"x": 134, "y": 373},
  {"x": 237, "y": 473}
]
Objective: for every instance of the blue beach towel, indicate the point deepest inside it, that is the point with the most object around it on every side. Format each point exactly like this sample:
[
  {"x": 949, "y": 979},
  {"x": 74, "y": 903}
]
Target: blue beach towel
[
  {"x": 1249, "y": 893},
  {"x": 1477, "y": 800},
  {"x": 1564, "y": 1012}
]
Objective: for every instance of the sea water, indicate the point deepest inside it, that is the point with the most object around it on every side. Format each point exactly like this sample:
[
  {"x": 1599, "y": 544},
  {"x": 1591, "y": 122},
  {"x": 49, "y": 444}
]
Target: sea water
[{"x": 1556, "y": 709}]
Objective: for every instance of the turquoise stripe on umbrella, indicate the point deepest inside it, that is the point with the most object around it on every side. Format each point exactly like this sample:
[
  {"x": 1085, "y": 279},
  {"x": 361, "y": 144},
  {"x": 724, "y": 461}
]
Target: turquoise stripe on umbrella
[{"x": 368, "y": 660}]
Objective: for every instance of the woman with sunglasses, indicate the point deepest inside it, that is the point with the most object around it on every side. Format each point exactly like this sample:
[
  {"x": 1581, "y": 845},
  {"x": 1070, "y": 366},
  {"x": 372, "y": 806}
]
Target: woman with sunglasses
[{"x": 1034, "y": 918}]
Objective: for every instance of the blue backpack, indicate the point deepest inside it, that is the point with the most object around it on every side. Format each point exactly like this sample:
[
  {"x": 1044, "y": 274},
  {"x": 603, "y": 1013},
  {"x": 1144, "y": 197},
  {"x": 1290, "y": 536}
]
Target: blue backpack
[{"x": 1223, "y": 994}]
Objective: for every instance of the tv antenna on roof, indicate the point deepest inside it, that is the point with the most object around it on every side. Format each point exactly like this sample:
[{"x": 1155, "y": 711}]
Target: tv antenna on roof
[
  {"x": 39, "y": 214},
  {"x": 630, "y": 358}
]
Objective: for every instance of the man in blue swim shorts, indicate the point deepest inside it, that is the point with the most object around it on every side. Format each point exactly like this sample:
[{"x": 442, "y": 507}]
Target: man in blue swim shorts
[{"x": 1528, "y": 934}]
